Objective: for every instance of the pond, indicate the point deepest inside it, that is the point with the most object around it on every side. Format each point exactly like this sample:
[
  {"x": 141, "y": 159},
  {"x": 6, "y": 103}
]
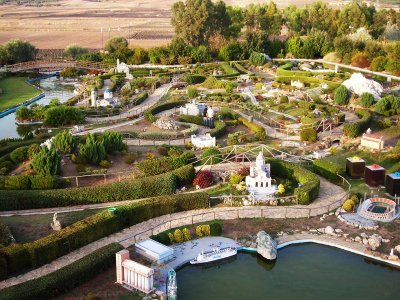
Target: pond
[
  {"x": 53, "y": 88},
  {"x": 306, "y": 271}
]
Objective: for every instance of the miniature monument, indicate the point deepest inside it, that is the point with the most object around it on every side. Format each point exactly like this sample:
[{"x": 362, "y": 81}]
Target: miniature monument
[
  {"x": 56, "y": 225},
  {"x": 203, "y": 141},
  {"x": 193, "y": 109}
]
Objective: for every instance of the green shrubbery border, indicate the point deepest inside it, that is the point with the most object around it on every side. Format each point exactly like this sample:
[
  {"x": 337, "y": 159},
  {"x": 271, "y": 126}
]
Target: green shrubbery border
[
  {"x": 34, "y": 182},
  {"x": 93, "y": 228},
  {"x": 306, "y": 79},
  {"x": 65, "y": 278},
  {"x": 328, "y": 169},
  {"x": 356, "y": 128}
]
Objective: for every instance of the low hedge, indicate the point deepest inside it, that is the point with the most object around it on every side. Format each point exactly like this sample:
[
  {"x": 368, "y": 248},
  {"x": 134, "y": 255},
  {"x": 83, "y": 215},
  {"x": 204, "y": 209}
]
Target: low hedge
[
  {"x": 218, "y": 130},
  {"x": 309, "y": 182},
  {"x": 160, "y": 165},
  {"x": 140, "y": 98},
  {"x": 191, "y": 119},
  {"x": 34, "y": 182},
  {"x": 306, "y": 79},
  {"x": 184, "y": 175},
  {"x": 3, "y": 268},
  {"x": 328, "y": 169},
  {"x": 256, "y": 129},
  {"x": 356, "y": 128},
  {"x": 165, "y": 106},
  {"x": 65, "y": 278},
  {"x": 164, "y": 184},
  {"x": 79, "y": 234}
]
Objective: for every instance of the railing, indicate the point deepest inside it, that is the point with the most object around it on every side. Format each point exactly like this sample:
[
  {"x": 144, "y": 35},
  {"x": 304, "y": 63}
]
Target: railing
[{"x": 94, "y": 178}]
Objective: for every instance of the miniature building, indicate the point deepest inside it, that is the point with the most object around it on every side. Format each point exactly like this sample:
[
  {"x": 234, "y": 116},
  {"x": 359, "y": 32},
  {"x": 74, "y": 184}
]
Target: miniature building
[
  {"x": 154, "y": 251},
  {"x": 297, "y": 83},
  {"x": 258, "y": 182},
  {"x": 193, "y": 108},
  {"x": 108, "y": 94},
  {"x": 203, "y": 141},
  {"x": 374, "y": 175},
  {"x": 372, "y": 141},
  {"x": 320, "y": 154},
  {"x": 132, "y": 274},
  {"x": 355, "y": 167},
  {"x": 393, "y": 184}
]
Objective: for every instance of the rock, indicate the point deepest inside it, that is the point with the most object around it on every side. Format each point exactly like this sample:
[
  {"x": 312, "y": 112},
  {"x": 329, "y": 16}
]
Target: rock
[
  {"x": 338, "y": 230},
  {"x": 253, "y": 245},
  {"x": 329, "y": 230},
  {"x": 345, "y": 235},
  {"x": 324, "y": 215},
  {"x": 321, "y": 230},
  {"x": 314, "y": 230},
  {"x": 321, "y": 219},
  {"x": 393, "y": 257},
  {"x": 358, "y": 239},
  {"x": 364, "y": 235},
  {"x": 397, "y": 248},
  {"x": 266, "y": 245},
  {"x": 374, "y": 242},
  {"x": 248, "y": 243},
  {"x": 365, "y": 242},
  {"x": 385, "y": 240}
]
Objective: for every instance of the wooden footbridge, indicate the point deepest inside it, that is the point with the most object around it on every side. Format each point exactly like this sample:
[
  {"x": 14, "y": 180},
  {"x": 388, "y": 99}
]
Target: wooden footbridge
[{"x": 57, "y": 65}]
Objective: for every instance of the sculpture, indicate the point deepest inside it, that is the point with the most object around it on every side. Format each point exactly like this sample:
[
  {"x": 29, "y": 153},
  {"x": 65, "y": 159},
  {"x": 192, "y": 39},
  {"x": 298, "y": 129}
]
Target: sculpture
[
  {"x": 266, "y": 245},
  {"x": 56, "y": 225}
]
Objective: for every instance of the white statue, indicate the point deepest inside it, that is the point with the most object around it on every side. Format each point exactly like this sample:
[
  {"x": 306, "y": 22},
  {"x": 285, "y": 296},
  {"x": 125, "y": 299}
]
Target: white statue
[{"x": 56, "y": 225}]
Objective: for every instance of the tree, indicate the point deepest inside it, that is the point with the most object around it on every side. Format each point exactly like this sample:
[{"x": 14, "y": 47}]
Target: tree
[
  {"x": 63, "y": 115},
  {"x": 382, "y": 105},
  {"x": 201, "y": 54},
  {"x": 15, "y": 51},
  {"x": 379, "y": 63},
  {"x": 257, "y": 59},
  {"x": 115, "y": 43},
  {"x": 281, "y": 189},
  {"x": 374, "y": 49},
  {"x": 294, "y": 46},
  {"x": 341, "y": 96},
  {"x": 367, "y": 100},
  {"x": 112, "y": 141},
  {"x": 93, "y": 149},
  {"x": 232, "y": 51},
  {"x": 65, "y": 142},
  {"x": 23, "y": 113},
  {"x": 316, "y": 45},
  {"x": 192, "y": 92},
  {"x": 360, "y": 60},
  {"x": 308, "y": 135},
  {"x": 75, "y": 50},
  {"x": 139, "y": 56},
  {"x": 46, "y": 162}
]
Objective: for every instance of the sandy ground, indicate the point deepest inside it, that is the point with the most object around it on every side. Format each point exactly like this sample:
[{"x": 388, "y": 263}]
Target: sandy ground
[{"x": 145, "y": 23}]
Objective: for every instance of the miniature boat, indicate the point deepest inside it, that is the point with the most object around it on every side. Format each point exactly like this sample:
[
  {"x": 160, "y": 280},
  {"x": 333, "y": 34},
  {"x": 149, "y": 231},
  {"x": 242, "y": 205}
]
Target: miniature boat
[{"x": 216, "y": 254}]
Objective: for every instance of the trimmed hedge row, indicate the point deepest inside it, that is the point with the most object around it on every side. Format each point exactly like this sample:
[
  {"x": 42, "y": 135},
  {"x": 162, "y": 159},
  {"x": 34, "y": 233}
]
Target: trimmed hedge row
[
  {"x": 309, "y": 182},
  {"x": 328, "y": 169},
  {"x": 165, "y": 106},
  {"x": 160, "y": 165},
  {"x": 34, "y": 182},
  {"x": 286, "y": 70},
  {"x": 219, "y": 129},
  {"x": 65, "y": 278},
  {"x": 164, "y": 184},
  {"x": 306, "y": 79},
  {"x": 79, "y": 234},
  {"x": 140, "y": 98},
  {"x": 355, "y": 129},
  {"x": 256, "y": 129}
]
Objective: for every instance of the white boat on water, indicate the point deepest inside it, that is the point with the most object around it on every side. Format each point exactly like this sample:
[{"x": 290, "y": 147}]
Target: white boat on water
[{"x": 216, "y": 254}]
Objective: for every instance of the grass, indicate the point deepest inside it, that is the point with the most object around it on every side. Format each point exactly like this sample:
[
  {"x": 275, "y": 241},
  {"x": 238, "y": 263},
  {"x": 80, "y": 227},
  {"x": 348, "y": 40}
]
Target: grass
[
  {"x": 15, "y": 91},
  {"x": 32, "y": 227}
]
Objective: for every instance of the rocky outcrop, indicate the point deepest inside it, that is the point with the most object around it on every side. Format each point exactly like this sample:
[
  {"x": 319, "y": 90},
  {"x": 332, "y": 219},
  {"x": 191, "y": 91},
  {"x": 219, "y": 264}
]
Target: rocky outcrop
[{"x": 266, "y": 245}]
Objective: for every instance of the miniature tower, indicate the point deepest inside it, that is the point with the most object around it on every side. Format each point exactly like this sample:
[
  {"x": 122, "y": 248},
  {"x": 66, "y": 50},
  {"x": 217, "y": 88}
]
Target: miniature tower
[{"x": 93, "y": 98}]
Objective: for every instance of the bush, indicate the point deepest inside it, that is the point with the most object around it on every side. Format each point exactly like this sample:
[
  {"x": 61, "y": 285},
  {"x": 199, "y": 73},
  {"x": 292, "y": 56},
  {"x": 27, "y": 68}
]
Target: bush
[
  {"x": 367, "y": 100},
  {"x": 215, "y": 228},
  {"x": 162, "y": 150},
  {"x": 164, "y": 184},
  {"x": 184, "y": 175},
  {"x": 66, "y": 278},
  {"x": 308, "y": 134},
  {"x": 64, "y": 115},
  {"x": 211, "y": 156},
  {"x": 112, "y": 141},
  {"x": 65, "y": 142},
  {"x": 192, "y": 92},
  {"x": 47, "y": 162},
  {"x": 257, "y": 130},
  {"x": 17, "y": 182},
  {"x": 194, "y": 78},
  {"x": 328, "y": 169},
  {"x": 186, "y": 234},
  {"x": 105, "y": 164},
  {"x": 355, "y": 129},
  {"x": 219, "y": 129},
  {"x": 93, "y": 150},
  {"x": 19, "y": 155},
  {"x": 178, "y": 236},
  {"x": 203, "y": 230},
  {"x": 235, "y": 178},
  {"x": 203, "y": 179},
  {"x": 348, "y": 205},
  {"x": 163, "y": 164},
  {"x": 360, "y": 60},
  {"x": 341, "y": 96},
  {"x": 162, "y": 238},
  {"x": 257, "y": 59},
  {"x": 92, "y": 228},
  {"x": 5, "y": 237},
  {"x": 40, "y": 182}
]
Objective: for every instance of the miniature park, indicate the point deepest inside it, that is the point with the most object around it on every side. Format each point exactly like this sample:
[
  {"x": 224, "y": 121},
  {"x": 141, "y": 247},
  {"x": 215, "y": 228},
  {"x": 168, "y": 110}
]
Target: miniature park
[{"x": 144, "y": 181}]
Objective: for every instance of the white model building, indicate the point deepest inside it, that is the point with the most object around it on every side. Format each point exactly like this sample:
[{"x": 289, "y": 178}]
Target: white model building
[
  {"x": 193, "y": 108},
  {"x": 155, "y": 251},
  {"x": 258, "y": 182},
  {"x": 203, "y": 141},
  {"x": 108, "y": 94}
]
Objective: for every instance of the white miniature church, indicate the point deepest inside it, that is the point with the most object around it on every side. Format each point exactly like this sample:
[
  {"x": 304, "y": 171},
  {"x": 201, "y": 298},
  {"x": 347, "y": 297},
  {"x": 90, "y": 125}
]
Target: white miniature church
[{"x": 258, "y": 182}]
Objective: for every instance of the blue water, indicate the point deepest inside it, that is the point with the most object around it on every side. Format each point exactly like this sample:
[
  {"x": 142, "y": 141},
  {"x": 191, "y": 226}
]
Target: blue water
[
  {"x": 305, "y": 271},
  {"x": 52, "y": 89}
]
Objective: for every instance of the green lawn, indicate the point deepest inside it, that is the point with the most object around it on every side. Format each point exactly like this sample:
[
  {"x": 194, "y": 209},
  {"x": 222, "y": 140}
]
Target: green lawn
[{"x": 15, "y": 91}]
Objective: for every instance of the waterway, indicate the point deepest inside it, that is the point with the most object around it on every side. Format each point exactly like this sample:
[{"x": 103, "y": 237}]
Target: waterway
[
  {"x": 52, "y": 88},
  {"x": 306, "y": 271}
]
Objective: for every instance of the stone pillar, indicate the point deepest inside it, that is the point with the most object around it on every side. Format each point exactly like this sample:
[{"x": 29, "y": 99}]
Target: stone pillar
[
  {"x": 120, "y": 257},
  {"x": 336, "y": 68},
  {"x": 389, "y": 79}
]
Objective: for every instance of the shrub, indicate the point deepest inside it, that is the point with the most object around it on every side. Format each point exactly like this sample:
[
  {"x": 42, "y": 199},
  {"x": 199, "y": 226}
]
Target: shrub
[
  {"x": 355, "y": 129},
  {"x": 360, "y": 60},
  {"x": 105, "y": 164},
  {"x": 65, "y": 142},
  {"x": 64, "y": 115},
  {"x": 32, "y": 150},
  {"x": 257, "y": 59},
  {"x": 203, "y": 179},
  {"x": 244, "y": 171},
  {"x": 93, "y": 150},
  {"x": 16, "y": 256},
  {"x": 19, "y": 155},
  {"x": 194, "y": 78},
  {"x": 235, "y": 178},
  {"x": 17, "y": 182},
  {"x": 367, "y": 100},
  {"x": 5, "y": 237},
  {"x": 162, "y": 150},
  {"x": 40, "y": 182},
  {"x": 211, "y": 156},
  {"x": 378, "y": 64},
  {"x": 281, "y": 189},
  {"x": 163, "y": 164},
  {"x": 257, "y": 130},
  {"x": 219, "y": 129},
  {"x": 192, "y": 92},
  {"x": 112, "y": 141},
  {"x": 202, "y": 230},
  {"x": 186, "y": 234},
  {"x": 341, "y": 96},
  {"x": 66, "y": 278},
  {"x": 162, "y": 238},
  {"x": 348, "y": 205},
  {"x": 191, "y": 119},
  {"x": 328, "y": 169},
  {"x": 184, "y": 175},
  {"x": 215, "y": 228},
  {"x": 308, "y": 134},
  {"x": 47, "y": 162},
  {"x": 178, "y": 236},
  {"x": 130, "y": 158}
]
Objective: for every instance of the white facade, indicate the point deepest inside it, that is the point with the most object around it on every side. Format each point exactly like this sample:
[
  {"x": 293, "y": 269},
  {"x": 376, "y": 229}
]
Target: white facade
[
  {"x": 297, "y": 83},
  {"x": 193, "y": 108},
  {"x": 258, "y": 182},
  {"x": 93, "y": 98},
  {"x": 108, "y": 94},
  {"x": 372, "y": 142},
  {"x": 203, "y": 141},
  {"x": 154, "y": 251},
  {"x": 132, "y": 274}
]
